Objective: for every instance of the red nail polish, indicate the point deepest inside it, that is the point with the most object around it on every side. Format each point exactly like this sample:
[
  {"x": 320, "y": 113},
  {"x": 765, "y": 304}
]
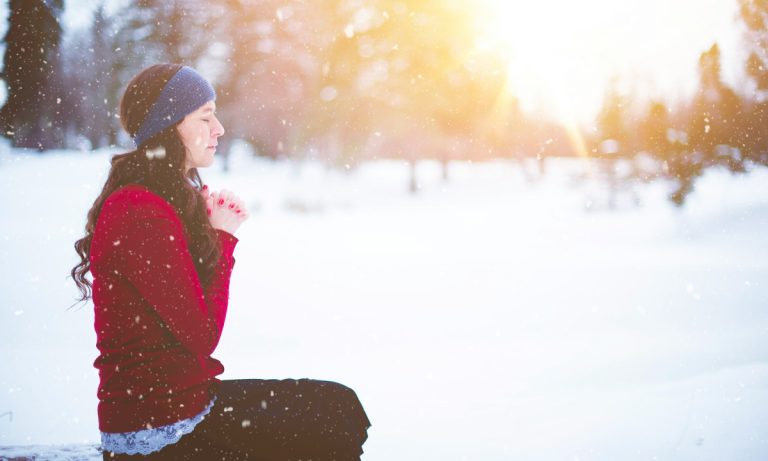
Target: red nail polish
[
  {"x": 221, "y": 201},
  {"x": 231, "y": 205},
  {"x": 208, "y": 210},
  {"x": 238, "y": 211},
  {"x": 205, "y": 187}
]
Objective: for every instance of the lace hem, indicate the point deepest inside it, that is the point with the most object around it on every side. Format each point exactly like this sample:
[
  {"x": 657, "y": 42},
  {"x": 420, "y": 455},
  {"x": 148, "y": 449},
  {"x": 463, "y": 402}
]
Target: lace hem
[{"x": 148, "y": 441}]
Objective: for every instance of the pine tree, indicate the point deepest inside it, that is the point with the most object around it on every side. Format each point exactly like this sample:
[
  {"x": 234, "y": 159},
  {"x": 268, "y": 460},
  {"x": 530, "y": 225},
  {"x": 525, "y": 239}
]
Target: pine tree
[
  {"x": 612, "y": 123},
  {"x": 754, "y": 14},
  {"x": 32, "y": 115},
  {"x": 656, "y": 133},
  {"x": 93, "y": 74},
  {"x": 714, "y": 128},
  {"x": 117, "y": 45}
]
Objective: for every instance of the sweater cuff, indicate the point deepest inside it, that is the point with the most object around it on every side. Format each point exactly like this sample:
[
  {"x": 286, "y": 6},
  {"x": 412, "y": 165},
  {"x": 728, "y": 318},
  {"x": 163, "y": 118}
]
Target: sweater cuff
[{"x": 228, "y": 240}]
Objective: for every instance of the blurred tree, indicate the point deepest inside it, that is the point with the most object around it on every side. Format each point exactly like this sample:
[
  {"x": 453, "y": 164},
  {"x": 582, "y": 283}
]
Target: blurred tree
[
  {"x": 714, "y": 131},
  {"x": 655, "y": 131},
  {"x": 669, "y": 145},
  {"x": 359, "y": 89},
  {"x": 401, "y": 80},
  {"x": 612, "y": 124},
  {"x": 32, "y": 114},
  {"x": 120, "y": 42},
  {"x": 473, "y": 107},
  {"x": 615, "y": 142},
  {"x": 165, "y": 30},
  {"x": 94, "y": 72},
  {"x": 754, "y": 14},
  {"x": 271, "y": 48}
]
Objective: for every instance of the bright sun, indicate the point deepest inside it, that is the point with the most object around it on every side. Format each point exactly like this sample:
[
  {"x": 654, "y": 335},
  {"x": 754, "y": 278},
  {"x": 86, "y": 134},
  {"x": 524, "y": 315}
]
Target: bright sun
[
  {"x": 556, "y": 52},
  {"x": 562, "y": 54}
]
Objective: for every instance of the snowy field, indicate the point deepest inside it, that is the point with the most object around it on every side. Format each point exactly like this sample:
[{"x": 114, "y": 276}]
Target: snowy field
[{"x": 486, "y": 318}]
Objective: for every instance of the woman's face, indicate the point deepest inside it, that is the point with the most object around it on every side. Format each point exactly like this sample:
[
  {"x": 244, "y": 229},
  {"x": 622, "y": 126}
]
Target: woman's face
[{"x": 200, "y": 131}]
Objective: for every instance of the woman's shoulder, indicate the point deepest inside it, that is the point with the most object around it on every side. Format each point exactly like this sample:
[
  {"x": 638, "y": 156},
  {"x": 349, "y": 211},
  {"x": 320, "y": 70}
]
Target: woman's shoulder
[
  {"x": 133, "y": 192},
  {"x": 134, "y": 198}
]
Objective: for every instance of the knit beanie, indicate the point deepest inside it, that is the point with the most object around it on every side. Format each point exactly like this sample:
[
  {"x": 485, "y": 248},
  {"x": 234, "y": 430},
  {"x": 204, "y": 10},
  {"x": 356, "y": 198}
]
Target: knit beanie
[{"x": 184, "y": 93}]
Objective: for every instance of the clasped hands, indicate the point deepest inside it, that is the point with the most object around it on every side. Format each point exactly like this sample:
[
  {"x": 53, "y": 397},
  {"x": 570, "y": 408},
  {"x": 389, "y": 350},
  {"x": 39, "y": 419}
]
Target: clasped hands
[{"x": 226, "y": 211}]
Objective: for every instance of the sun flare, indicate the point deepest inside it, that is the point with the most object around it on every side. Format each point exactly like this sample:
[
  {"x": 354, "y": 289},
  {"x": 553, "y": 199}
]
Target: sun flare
[
  {"x": 555, "y": 52},
  {"x": 561, "y": 55}
]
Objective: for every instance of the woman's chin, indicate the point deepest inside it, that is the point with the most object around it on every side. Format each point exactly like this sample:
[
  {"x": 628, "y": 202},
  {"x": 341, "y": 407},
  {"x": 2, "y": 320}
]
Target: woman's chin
[{"x": 207, "y": 161}]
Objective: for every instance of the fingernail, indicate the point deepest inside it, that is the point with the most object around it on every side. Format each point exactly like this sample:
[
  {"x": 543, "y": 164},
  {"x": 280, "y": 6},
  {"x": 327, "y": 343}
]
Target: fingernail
[
  {"x": 231, "y": 205},
  {"x": 238, "y": 211},
  {"x": 221, "y": 201},
  {"x": 208, "y": 210},
  {"x": 205, "y": 187}
]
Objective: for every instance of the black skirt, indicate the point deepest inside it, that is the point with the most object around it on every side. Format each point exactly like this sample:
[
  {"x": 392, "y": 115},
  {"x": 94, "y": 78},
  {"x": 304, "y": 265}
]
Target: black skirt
[{"x": 273, "y": 420}]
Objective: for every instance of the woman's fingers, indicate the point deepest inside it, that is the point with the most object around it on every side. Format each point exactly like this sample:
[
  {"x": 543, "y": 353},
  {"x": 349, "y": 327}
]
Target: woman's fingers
[
  {"x": 226, "y": 200},
  {"x": 240, "y": 209},
  {"x": 222, "y": 201},
  {"x": 226, "y": 195}
]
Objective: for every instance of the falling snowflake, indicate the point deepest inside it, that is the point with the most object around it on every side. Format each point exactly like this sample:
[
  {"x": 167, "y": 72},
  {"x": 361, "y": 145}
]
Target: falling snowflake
[{"x": 156, "y": 153}]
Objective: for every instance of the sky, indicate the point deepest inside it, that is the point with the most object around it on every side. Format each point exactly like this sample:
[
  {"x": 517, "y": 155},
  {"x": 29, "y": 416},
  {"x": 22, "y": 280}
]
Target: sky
[
  {"x": 563, "y": 62},
  {"x": 560, "y": 64}
]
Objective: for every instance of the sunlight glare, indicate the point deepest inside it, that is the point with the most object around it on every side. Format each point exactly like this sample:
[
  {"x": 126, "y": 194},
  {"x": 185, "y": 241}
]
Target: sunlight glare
[
  {"x": 561, "y": 54},
  {"x": 552, "y": 51}
]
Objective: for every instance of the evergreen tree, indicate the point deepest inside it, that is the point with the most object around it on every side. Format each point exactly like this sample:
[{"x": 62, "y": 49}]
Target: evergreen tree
[
  {"x": 669, "y": 146},
  {"x": 714, "y": 130},
  {"x": 754, "y": 14},
  {"x": 155, "y": 31},
  {"x": 93, "y": 72},
  {"x": 32, "y": 115},
  {"x": 612, "y": 123},
  {"x": 656, "y": 132},
  {"x": 118, "y": 44}
]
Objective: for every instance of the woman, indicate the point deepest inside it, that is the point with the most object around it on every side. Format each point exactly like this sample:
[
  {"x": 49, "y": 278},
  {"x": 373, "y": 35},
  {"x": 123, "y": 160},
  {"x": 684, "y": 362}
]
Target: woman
[{"x": 160, "y": 249}]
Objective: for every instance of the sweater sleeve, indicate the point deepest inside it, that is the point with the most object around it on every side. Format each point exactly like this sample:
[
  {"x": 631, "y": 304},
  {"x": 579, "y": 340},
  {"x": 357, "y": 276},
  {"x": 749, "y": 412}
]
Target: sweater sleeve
[{"x": 152, "y": 253}]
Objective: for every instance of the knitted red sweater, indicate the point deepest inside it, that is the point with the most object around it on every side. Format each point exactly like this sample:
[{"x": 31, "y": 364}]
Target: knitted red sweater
[{"x": 156, "y": 326}]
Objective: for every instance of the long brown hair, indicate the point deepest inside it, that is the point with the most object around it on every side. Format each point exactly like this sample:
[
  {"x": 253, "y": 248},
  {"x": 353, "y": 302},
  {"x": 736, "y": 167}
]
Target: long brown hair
[{"x": 164, "y": 175}]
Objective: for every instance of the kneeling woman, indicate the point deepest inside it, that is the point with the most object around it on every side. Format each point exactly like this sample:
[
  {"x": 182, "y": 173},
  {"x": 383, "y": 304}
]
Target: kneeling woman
[{"x": 159, "y": 246}]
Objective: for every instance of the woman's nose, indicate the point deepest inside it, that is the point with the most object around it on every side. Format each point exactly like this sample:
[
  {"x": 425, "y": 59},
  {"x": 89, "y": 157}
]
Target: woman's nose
[{"x": 218, "y": 129}]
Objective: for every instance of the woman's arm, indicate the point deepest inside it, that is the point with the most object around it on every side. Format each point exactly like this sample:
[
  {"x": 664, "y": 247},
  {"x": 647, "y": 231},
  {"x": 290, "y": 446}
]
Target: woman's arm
[{"x": 152, "y": 253}]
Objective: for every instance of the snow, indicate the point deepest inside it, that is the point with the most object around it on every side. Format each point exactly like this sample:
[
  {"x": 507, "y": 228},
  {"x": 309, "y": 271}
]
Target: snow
[{"x": 490, "y": 317}]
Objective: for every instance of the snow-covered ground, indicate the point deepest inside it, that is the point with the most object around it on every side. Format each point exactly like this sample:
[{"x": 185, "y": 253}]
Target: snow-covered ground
[{"x": 485, "y": 318}]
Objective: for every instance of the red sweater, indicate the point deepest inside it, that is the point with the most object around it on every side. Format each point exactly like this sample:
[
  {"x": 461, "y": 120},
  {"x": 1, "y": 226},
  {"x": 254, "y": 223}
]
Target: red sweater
[{"x": 156, "y": 326}]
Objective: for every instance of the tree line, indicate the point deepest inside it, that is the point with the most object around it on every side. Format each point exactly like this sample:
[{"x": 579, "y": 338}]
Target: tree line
[{"x": 350, "y": 80}]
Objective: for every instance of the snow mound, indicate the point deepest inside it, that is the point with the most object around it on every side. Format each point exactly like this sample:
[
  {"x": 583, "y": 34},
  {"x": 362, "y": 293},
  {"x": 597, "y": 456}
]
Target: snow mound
[{"x": 71, "y": 452}]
